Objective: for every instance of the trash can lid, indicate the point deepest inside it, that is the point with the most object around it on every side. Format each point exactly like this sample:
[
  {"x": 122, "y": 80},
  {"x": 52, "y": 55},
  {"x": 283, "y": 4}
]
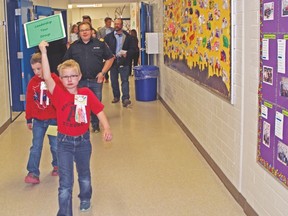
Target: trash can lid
[{"x": 146, "y": 68}]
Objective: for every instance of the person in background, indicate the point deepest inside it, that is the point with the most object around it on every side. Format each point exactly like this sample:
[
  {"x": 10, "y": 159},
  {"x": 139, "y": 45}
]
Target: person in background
[
  {"x": 123, "y": 47},
  {"x": 73, "y": 106},
  {"x": 74, "y": 34},
  {"x": 86, "y": 18},
  {"x": 102, "y": 33},
  {"x": 39, "y": 115},
  {"x": 94, "y": 33},
  {"x": 89, "y": 53},
  {"x": 107, "y": 28},
  {"x": 135, "y": 58}
]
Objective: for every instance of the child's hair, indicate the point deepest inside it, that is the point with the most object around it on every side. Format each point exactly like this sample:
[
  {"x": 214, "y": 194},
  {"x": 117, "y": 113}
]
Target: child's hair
[
  {"x": 69, "y": 64},
  {"x": 73, "y": 27},
  {"x": 36, "y": 58}
]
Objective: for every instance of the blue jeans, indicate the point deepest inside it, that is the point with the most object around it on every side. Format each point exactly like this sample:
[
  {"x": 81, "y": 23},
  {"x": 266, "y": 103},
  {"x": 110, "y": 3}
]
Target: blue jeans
[
  {"x": 124, "y": 75},
  {"x": 72, "y": 149},
  {"x": 38, "y": 131},
  {"x": 97, "y": 89}
]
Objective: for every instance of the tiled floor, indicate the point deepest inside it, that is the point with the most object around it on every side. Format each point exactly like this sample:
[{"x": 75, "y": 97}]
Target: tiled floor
[{"x": 149, "y": 169}]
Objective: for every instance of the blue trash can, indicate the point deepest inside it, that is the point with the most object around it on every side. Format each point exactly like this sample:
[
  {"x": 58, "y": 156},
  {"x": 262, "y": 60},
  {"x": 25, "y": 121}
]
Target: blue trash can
[{"x": 146, "y": 82}]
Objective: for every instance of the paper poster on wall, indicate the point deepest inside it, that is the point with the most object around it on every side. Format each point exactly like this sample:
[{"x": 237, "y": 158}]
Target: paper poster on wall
[
  {"x": 268, "y": 12},
  {"x": 282, "y": 153},
  {"x": 266, "y": 134},
  {"x": 281, "y": 55},
  {"x": 197, "y": 42},
  {"x": 284, "y": 8},
  {"x": 265, "y": 49},
  {"x": 268, "y": 75}
]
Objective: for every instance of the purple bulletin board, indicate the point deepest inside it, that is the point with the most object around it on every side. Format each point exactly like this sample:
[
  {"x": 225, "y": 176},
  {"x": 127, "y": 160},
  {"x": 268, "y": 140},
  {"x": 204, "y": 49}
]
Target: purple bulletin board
[{"x": 272, "y": 151}]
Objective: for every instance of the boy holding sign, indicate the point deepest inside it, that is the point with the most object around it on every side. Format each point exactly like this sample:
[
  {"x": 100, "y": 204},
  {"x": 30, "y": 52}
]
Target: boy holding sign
[{"x": 73, "y": 106}]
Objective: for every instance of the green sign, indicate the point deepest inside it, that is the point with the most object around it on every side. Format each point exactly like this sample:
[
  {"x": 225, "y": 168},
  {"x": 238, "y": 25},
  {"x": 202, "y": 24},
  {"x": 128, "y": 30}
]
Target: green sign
[{"x": 50, "y": 28}]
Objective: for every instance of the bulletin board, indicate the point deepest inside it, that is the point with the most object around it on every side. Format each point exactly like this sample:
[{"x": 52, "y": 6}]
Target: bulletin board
[
  {"x": 197, "y": 42},
  {"x": 272, "y": 151}
]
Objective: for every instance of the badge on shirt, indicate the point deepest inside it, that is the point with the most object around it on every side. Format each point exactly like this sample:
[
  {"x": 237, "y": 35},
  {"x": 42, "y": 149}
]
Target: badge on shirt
[
  {"x": 80, "y": 100},
  {"x": 80, "y": 114},
  {"x": 43, "y": 86},
  {"x": 43, "y": 96}
]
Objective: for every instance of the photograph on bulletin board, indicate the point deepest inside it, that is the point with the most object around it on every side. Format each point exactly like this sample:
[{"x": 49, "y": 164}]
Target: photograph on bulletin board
[
  {"x": 197, "y": 42},
  {"x": 272, "y": 149}
]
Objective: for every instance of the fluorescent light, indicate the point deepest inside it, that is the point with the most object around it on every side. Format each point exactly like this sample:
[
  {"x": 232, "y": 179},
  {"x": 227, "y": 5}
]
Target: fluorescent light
[
  {"x": 88, "y": 5},
  {"x": 70, "y": 6}
]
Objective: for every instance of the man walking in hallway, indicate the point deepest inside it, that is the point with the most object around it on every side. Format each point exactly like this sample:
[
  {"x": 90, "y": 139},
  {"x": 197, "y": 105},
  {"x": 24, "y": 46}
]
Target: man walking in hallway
[{"x": 123, "y": 47}]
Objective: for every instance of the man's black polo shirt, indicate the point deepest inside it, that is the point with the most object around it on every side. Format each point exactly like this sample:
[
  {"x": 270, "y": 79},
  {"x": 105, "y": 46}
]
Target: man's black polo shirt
[{"x": 89, "y": 56}]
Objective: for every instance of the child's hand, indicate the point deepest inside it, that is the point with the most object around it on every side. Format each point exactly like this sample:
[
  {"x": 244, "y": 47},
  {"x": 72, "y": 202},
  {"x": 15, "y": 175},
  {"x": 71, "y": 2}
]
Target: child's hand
[
  {"x": 30, "y": 126},
  {"x": 107, "y": 134},
  {"x": 42, "y": 46}
]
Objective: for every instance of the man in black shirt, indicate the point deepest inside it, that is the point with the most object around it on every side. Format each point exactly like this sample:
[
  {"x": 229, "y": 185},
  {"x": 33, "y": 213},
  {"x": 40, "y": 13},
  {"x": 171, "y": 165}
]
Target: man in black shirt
[{"x": 90, "y": 53}]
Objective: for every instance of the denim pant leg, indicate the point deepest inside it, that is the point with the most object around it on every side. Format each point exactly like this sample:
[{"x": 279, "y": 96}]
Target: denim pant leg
[
  {"x": 124, "y": 75},
  {"x": 82, "y": 160},
  {"x": 65, "y": 153},
  {"x": 38, "y": 131},
  {"x": 114, "y": 81},
  {"x": 53, "y": 144}
]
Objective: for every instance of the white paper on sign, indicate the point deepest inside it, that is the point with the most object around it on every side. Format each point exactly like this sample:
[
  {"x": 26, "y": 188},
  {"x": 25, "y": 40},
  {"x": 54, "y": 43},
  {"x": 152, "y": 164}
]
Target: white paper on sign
[
  {"x": 265, "y": 49},
  {"x": 279, "y": 122},
  {"x": 264, "y": 111},
  {"x": 281, "y": 55}
]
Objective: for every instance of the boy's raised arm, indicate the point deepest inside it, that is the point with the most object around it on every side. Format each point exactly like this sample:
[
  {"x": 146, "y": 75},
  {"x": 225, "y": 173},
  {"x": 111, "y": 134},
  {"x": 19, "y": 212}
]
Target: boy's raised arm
[{"x": 46, "y": 68}]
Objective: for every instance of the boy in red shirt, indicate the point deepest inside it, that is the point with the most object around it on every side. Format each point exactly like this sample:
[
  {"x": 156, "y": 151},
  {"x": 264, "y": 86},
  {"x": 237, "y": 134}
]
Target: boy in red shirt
[
  {"x": 73, "y": 106},
  {"x": 39, "y": 115}
]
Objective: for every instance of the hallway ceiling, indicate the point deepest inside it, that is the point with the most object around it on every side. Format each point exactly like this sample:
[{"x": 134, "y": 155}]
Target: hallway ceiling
[{"x": 101, "y": 1}]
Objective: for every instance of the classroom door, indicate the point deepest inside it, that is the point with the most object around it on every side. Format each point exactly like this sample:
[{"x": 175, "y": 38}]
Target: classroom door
[
  {"x": 145, "y": 26},
  {"x": 18, "y": 12}
]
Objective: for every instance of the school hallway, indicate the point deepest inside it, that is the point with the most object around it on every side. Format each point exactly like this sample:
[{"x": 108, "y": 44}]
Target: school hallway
[{"x": 151, "y": 168}]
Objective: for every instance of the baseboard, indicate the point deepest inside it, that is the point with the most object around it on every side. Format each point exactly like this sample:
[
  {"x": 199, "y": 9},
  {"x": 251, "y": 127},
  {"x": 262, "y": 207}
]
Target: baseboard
[
  {"x": 5, "y": 125},
  {"x": 249, "y": 211}
]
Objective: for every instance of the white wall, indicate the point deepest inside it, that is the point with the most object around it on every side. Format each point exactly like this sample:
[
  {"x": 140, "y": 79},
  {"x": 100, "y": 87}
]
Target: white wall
[
  {"x": 97, "y": 14},
  {"x": 4, "y": 87},
  {"x": 228, "y": 132}
]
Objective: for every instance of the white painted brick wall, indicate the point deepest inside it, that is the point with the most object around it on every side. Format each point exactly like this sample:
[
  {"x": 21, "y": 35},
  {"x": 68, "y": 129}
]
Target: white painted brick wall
[
  {"x": 217, "y": 124},
  {"x": 4, "y": 89}
]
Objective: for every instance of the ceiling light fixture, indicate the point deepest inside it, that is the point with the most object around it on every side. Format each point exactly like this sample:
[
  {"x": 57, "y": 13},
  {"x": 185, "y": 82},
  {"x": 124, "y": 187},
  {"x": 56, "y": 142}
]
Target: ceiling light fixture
[{"x": 88, "y": 5}]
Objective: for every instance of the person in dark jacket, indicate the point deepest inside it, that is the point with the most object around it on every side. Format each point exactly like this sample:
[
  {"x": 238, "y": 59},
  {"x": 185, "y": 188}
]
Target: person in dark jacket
[
  {"x": 135, "y": 58},
  {"x": 95, "y": 59},
  {"x": 123, "y": 47}
]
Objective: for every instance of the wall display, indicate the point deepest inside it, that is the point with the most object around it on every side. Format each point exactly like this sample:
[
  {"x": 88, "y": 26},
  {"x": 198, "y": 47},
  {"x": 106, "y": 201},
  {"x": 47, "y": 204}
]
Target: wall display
[
  {"x": 272, "y": 151},
  {"x": 197, "y": 42}
]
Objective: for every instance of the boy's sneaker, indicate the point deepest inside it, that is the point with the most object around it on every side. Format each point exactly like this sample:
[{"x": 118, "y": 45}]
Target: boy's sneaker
[
  {"x": 55, "y": 171},
  {"x": 85, "y": 205},
  {"x": 31, "y": 178}
]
